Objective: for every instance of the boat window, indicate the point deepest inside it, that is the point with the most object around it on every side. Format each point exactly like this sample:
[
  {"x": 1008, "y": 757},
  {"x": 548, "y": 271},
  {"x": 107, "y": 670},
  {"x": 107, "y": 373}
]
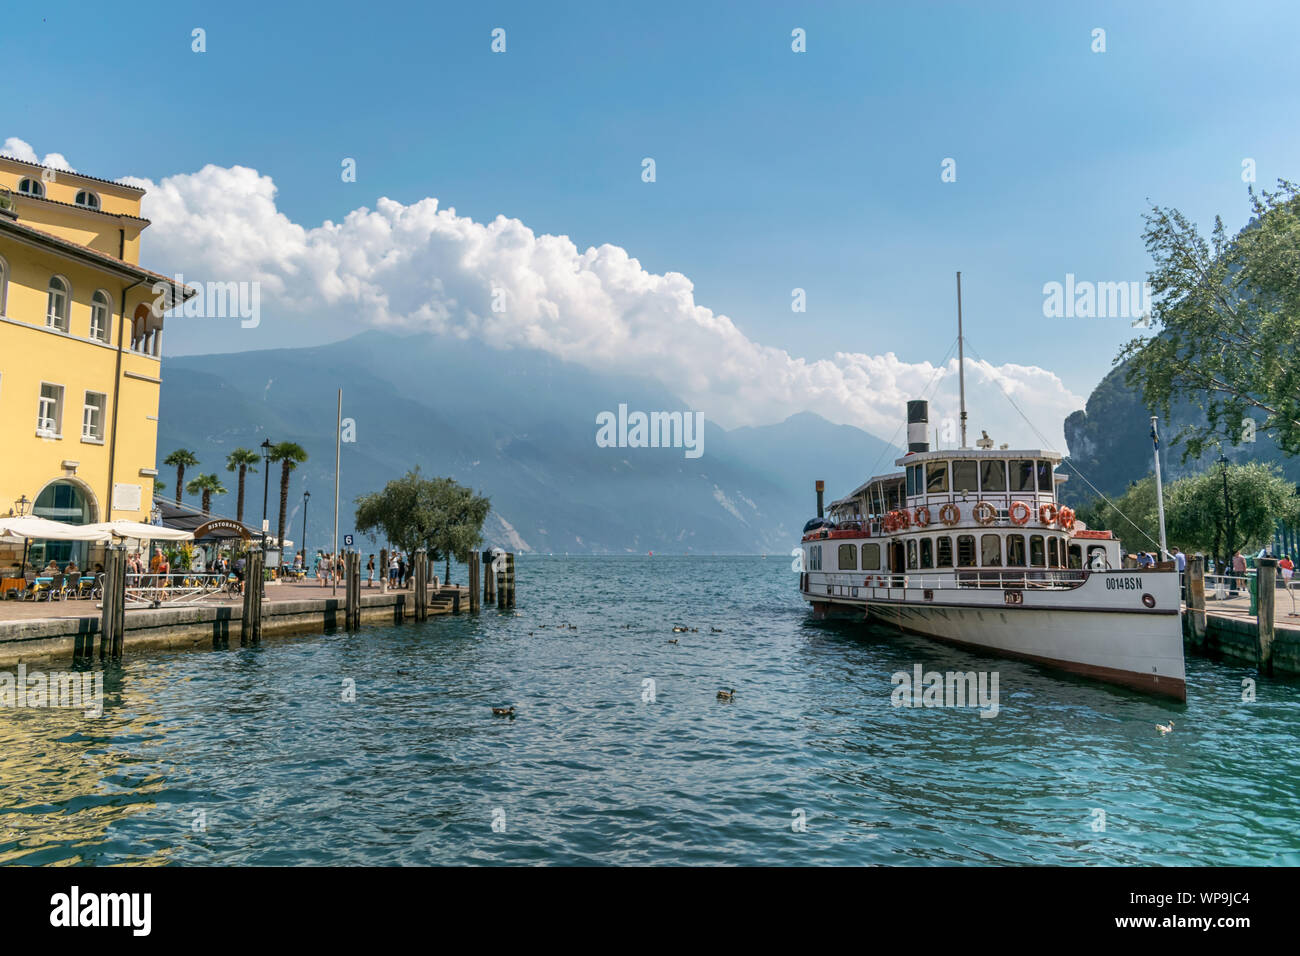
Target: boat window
[
  {"x": 927, "y": 554},
  {"x": 966, "y": 551},
  {"x": 943, "y": 552},
  {"x": 1037, "y": 556},
  {"x": 1076, "y": 556},
  {"x": 936, "y": 477},
  {"x": 911, "y": 481},
  {"x": 1015, "y": 550},
  {"x": 1022, "y": 474},
  {"x": 848, "y": 557},
  {"x": 993, "y": 476},
  {"x": 911, "y": 555},
  {"x": 990, "y": 551},
  {"x": 871, "y": 557},
  {"x": 815, "y": 558},
  {"x": 1053, "y": 555},
  {"x": 965, "y": 476},
  {"x": 1045, "y": 476}
]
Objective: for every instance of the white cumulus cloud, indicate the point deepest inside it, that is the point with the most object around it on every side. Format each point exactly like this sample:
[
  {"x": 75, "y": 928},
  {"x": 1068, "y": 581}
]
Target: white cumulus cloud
[{"x": 19, "y": 149}]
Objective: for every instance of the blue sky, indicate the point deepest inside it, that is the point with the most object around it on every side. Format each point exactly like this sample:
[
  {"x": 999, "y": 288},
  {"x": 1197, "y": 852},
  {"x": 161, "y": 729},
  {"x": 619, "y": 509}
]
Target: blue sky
[{"x": 775, "y": 170}]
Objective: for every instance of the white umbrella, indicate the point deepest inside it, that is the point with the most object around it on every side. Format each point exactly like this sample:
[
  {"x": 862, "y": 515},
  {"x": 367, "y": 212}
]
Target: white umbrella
[
  {"x": 124, "y": 528},
  {"x": 30, "y": 526}
]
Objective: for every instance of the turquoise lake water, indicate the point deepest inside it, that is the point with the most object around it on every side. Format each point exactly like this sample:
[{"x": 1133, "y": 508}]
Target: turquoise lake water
[{"x": 252, "y": 756}]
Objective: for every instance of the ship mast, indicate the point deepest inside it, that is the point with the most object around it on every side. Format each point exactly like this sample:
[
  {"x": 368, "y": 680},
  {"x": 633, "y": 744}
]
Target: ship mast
[{"x": 961, "y": 365}]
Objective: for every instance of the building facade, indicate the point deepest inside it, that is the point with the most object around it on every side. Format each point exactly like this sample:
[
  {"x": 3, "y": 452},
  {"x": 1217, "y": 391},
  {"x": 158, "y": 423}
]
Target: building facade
[{"x": 80, "y": 350}]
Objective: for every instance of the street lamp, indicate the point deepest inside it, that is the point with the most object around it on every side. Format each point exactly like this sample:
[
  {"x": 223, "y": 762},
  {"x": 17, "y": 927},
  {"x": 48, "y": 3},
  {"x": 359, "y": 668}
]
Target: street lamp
[
  {"x": 266, "y": 482},
  {"x": 21, "y": 506},
  {"x": 1223, "y": 462},
  {"x": 302, "y": 549}
]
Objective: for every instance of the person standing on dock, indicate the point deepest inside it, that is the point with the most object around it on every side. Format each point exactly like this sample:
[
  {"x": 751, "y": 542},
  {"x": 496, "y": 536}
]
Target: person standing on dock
[
  {"x": 1180, "y": 560},
  {"x": 370, "y": 572},
  {"x": 1238, "y": 570}
]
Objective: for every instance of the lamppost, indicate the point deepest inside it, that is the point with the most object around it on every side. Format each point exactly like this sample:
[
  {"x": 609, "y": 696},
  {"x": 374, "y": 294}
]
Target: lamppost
[
  {"x": 306, "y": 497},
  {"x": 21, "y": 506},
  {"x": 1227, "y": 524},
  {"x": 266, "y": 483}
]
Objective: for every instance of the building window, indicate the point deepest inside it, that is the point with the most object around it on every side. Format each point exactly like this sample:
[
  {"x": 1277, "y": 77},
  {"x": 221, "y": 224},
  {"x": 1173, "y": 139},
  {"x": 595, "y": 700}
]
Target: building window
[
  {"x": 990, "y": 551},
  {"x": 1015, "y": 550},
  {"x": 966, "y": 551},
  {"x": 936, "y": 477},
  {"x": 965, "y": 475},
  {"x": 1022, "y": 475},
  {"x": 944, "y": 559},
  {"x": 871, "y": 557},
  {"x": 88, "y": 199},
  {"x": 100, "y": 310},
  {"x": 993, "y": 476},
  {"x": 56, "y": 310},
  {"x": 92, "y": 417},
  {"x": 848, "y": 557},
  {"x": 49, "y": 415},
  {"x": 31, "y": 187}
]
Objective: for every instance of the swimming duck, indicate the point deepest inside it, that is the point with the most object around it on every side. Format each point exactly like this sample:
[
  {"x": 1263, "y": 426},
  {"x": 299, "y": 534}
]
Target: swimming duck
[
  {"x": 727, "y": 694},
  {"x": 1166, "y": 728},
  {"x": 715, "y": 630},
  {"x": 504, "y": 711},
  {"x": 678, "y": 630},
  {"x": 673, "y": 641}
]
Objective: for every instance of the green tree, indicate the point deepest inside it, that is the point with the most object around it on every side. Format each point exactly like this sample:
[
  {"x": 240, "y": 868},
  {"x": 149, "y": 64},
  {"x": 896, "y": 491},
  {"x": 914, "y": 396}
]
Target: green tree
[
  {"x": 242, "y": 460},
  {"x": 437, "y": 514},
  {"x": 1228, "y": 314},
  {"x": 181, "y": 459},
  {"x": 1195, "y": 517},
  {"x": 290, "y": 455},
  {"x": 207, "y": 486}
]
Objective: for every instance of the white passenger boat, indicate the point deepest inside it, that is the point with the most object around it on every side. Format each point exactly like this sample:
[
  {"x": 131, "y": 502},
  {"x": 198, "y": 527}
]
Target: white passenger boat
[{"x": 971, "y": 547}]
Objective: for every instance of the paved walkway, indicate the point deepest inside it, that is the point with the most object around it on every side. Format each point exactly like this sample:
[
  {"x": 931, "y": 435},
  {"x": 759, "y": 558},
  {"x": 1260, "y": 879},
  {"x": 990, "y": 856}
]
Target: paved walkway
[
  {"x": 1286, "y": 607},
  {"x": 308, "y": 590}
]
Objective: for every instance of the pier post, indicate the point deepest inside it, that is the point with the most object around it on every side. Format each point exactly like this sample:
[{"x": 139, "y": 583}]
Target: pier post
[
  {"x": 1196, "y": 598},
  {"x": 421, "y": 575},
  {"x": 383, "y": 570},
  {"x": 1266, "y": 581},
  {"x": 455, "y": 601},
  {"x": 112, "y": 619},
  {"x": 472, "y": 565},
  {"x": 489, "y": 580},
  {"x": 250, "y": 622},
  {"x": 352, "y": 590},
  {"x": 500, "y": 577},
  {"x": 510, "y": 579}
]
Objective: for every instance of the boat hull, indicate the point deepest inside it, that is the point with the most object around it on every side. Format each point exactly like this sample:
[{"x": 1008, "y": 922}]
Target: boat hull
[{"x": 1091, "y": 630}]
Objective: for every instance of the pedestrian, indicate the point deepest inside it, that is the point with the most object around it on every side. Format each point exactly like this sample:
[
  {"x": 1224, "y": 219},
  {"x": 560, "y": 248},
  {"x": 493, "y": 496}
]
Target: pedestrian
[
  {"x": 1288, "y": 569},
  {"x": 1238, "y": 570},
  {"x": 370, "y": 572},
  {"x": 401, "y": 571},
  {"x": 1180, "y": 561},
  {"x": 392, "y": 570}
]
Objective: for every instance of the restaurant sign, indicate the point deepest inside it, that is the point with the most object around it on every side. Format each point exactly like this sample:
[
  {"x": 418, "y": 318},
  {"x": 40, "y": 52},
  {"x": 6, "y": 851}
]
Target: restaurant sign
[{"x": 221, "y": 524}]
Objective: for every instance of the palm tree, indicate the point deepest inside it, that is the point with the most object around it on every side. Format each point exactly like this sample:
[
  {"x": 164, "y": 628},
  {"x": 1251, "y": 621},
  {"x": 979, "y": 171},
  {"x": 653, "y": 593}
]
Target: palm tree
[
  {"x": 180, "y": 459},
  {"x": 242, "y": 460},
  {"x": 289, "y": 454},
  {"x": 206, "y": 485}
]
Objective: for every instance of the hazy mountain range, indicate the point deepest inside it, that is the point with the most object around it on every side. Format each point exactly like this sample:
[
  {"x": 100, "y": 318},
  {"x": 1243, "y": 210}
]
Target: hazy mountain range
[{"x": 518, "y": 426}]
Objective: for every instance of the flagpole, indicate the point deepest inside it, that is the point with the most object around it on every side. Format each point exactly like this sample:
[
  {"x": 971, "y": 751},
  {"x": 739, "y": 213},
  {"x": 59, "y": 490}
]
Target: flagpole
[
  {"x": 1160, "y": 491},
  {"x": 338, "y": 447}
]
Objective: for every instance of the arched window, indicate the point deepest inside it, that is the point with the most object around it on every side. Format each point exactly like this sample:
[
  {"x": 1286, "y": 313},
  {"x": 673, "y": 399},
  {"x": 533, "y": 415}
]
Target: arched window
[
  {"x": 56, "y": 311},
  {"x": 31, "y": 187},
  {"x": 88, "y": 199},
  {"x": 101, "y": 309}
]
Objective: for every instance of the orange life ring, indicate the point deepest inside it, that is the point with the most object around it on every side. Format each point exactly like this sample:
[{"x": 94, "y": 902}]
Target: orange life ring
[
  {"x": 904, "y": 520},
  {"x": 1047, "y": 513},
  {"x": 923, "y": 523},
  {"x": 1019, "y": 513},
  {"x": 889, "y": 523},
  {"x": 1066, "y": 518},
  {"x": 986, "y": 510},
  {"x": 949, "y": 514}
]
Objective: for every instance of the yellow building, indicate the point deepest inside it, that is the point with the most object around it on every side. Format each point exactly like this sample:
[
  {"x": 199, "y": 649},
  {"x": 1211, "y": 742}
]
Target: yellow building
[{"x": 80, "y": 348}]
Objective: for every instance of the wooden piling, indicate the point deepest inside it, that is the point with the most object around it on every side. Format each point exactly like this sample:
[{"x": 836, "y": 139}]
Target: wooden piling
[
  {"x": 489, "y": 579},
  {"x": 421, "y": 575},
  {"x": 473, "y": 584},
  {"x": 352, "y": 590},
  {"x": 1196, "y": 598},
  {"x": 250, "y": 623},
  {"x": 455, "y": 601},
  {"x": 1266, "y": 582},
  {"x": 112, "y": 618},
  {"x": 510, "y": 579},
  {"x": 383, "y": 570},
  {"x": 499, "y": 562}
]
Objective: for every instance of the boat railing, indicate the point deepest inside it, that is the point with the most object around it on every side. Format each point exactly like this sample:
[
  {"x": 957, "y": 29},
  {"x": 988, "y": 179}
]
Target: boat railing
[{"x": 999, "y": 579}]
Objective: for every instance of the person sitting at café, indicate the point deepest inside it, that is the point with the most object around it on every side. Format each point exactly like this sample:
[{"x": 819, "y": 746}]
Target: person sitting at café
[
  {"x": 71, "y": 567},
  {"x": 51, "y": 569}
]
